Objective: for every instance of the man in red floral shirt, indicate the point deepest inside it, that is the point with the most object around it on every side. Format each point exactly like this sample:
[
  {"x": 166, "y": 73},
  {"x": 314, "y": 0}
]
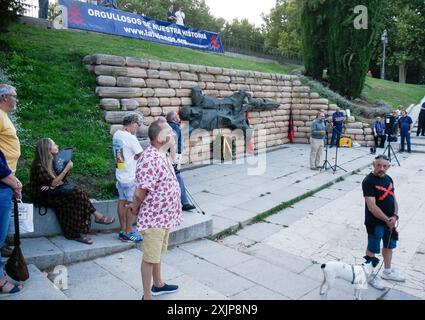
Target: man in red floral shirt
[{"x": 157, "y": 205}]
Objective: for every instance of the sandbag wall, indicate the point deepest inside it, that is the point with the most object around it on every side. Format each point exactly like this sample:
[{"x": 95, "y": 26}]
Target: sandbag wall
[{"x": 155, "y": 88}]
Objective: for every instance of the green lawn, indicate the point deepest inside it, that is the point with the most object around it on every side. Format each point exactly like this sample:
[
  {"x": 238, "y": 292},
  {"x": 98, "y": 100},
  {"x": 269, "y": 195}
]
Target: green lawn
[
  {"x": 393, "y": 93},
  {"x": 57, "y": 97}
]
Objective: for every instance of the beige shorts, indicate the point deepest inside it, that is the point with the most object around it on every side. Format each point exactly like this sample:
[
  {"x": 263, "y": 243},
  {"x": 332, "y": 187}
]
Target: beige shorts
[{"x": 155, "y": 242}]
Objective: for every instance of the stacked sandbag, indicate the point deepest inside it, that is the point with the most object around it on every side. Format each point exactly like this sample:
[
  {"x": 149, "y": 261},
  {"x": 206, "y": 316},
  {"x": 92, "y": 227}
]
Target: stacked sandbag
[{"x": 154, "y": 88}]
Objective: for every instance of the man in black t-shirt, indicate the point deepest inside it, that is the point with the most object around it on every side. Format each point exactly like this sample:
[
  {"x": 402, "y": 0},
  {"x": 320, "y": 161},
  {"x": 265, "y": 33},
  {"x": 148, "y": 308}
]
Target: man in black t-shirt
[{"x": 381, "y": 215}]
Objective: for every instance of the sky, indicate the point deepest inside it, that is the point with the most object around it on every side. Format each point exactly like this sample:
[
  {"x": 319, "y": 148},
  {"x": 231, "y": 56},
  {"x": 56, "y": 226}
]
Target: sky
[{"x": 249, "y": 9}]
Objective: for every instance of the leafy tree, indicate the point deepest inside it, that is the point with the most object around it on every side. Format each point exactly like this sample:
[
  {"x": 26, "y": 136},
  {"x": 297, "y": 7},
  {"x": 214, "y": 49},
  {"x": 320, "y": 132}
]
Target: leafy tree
[
  {"x": 9, "y": 11},
  {"x": 243, "y": 34},
  {"x": 331, "y": 42},
  {"x": 283, "y": 29},
  {"x": 197, "y": 12},
  {"x": 406, "y": 33}
]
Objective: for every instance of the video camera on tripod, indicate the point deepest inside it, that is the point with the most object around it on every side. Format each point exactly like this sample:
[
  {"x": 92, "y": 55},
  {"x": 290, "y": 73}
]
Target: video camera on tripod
[{"x": 391, "y": 127}]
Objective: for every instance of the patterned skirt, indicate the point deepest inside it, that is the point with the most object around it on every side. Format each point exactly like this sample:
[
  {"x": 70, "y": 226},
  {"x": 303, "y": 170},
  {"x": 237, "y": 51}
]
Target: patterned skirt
[{"x": 73, "y": 211}]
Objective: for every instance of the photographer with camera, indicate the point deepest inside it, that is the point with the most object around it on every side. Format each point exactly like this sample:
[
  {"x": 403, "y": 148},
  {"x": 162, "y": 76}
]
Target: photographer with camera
[
  {"x": 421, "y": 121},
  {"x": 378, "y": 129},
  {"x": 405, "y": 124}
]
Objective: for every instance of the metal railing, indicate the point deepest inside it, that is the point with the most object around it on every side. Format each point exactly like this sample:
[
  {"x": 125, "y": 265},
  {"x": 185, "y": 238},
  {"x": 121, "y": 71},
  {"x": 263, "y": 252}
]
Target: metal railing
[{"x": 250, "y": 48}]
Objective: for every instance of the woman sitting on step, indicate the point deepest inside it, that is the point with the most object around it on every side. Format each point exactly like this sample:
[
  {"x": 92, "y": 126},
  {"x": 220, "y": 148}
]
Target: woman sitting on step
[{"x": 71, "y": 205}]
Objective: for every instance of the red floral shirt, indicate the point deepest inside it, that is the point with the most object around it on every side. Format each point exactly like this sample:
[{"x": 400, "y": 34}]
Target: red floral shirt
[{"x": 161, "y": 207}]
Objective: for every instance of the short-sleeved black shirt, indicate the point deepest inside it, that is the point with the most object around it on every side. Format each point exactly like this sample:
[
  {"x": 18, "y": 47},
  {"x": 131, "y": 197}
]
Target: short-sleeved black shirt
[{"x": 383, "y": 191}]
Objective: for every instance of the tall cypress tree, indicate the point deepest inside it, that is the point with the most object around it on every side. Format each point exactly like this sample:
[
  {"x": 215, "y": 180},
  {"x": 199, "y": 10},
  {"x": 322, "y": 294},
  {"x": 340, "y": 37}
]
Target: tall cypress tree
[
  {"x": 314, "y": 25},
  {"x": 330, "y": 41},
  {"x": 349, "y": 50}
]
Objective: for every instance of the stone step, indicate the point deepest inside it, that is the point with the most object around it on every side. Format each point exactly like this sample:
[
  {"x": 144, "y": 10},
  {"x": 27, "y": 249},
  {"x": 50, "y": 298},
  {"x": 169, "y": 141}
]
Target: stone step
[
  {"x": 118, "y": 277},
  {"x": 37, "y": 287},
  {"x": 45, "y": 252},
  {"x": 49, "y": 252},
  {"x": 195, "y": 225}
]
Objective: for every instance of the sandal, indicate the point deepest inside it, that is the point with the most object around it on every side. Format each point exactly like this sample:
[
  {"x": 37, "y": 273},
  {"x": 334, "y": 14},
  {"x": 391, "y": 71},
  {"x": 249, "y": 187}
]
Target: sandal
[
  {"x": 85, "y": 239},
  {"x": 105, "y": 220},
  {"x": 16, "y": 288}
]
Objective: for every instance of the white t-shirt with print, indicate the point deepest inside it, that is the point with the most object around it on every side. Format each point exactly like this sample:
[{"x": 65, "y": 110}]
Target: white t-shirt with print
[
  {"x": 125, "y": 147},
  {"x": 180, "y": 18}
]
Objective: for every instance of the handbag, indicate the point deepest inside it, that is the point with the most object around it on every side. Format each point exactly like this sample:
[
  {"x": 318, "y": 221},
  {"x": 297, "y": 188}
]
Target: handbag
[
  {"x": 61, "y": 160},
  {"x": 26, "y": 222},
  {"x": 16, "y": 267}
]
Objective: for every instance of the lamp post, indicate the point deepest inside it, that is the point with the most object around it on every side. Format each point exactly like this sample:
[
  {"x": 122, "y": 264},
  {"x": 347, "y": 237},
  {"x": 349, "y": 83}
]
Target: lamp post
[{"x": 384, "y": 39}]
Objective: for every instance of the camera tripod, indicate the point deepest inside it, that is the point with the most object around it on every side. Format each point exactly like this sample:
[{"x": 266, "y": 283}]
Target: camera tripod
[
  {"x": 326, "y": 163},
  {"x": 336, "y": 166},
  {"x": 390, "y": 149}
]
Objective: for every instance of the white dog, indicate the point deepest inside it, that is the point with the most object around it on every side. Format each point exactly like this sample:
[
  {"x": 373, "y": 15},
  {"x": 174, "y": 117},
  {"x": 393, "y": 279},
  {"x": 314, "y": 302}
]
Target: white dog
[{"x": 356, "y": 274}]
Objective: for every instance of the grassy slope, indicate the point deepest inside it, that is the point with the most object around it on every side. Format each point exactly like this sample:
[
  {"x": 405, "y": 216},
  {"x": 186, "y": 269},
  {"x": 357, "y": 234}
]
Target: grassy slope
[
  {"x": 393, "y": 92},
  {"x": 57, "y": 94}
]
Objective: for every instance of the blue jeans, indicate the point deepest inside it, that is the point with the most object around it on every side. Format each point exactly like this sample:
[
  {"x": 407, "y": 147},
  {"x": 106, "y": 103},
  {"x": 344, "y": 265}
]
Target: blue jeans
[
  {"x": 184, "y": 199},
  {"x": 5, "y": 210},
  {"x": 336, "y": 135},
  {"x": 405, "y": 136}
]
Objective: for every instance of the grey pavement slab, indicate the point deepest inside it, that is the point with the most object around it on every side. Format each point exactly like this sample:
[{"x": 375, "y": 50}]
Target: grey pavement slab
[
  {"x": 345, "y": 185},
  {"x": 103, "y": 244},
  {"x": 312, "y": 183},
  {"x": 214, "y": 277},
  {"x": 37, "y": 287},
  {"x": 398, "y": 295},
  {"x": 89, "y": 281},
  {"x": 279, "y": 258},
  {"x": 220, "y": 224},
  {"x": 259, "y": 231},
  {"x": 258, "y": 205},
  {"x": 236, "y": 242},
  {"x": 236, "y": 214},
  {"x": 258, "y": 293},
  {"x": 195, "y": 226},
  {"x": 190, "y": 289},
  {"x": 287, "y": 217},
  {"x": 286, "y": 193},
  {"x": 41, "y": 252},
  {"x": 284, "y": 282},
  {"x": 126, "y": 267},
  {"x": 331, "y": 194},
  {"x": 333, "y": 294},
  {"x": 175, "y": 256},
  {"x": 215, "y": 253},
  {"x": 311, "y": 203}
]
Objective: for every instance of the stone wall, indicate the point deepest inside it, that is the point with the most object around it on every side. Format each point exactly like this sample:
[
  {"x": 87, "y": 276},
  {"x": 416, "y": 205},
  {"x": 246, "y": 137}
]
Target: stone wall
[{"x": 155, "y": 88}]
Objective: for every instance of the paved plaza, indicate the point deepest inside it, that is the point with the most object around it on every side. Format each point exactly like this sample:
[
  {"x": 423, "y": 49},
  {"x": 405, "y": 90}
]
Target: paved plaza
[{"x": 278, "y": 257}]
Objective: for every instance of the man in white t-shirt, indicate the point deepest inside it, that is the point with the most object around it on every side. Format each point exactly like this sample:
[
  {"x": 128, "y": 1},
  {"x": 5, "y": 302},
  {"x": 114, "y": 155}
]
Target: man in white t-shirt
[
  {"x": 127, "y": 150},
  {"x": 180, "y": 17}
]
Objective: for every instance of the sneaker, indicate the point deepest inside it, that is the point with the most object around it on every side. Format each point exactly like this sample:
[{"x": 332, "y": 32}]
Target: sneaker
[
  {"x": 394, "y": 276},
  {"x": 133, "y": 236},
  {"x": 123, "y": 237},
  {"x": 166, "y": 288},
  {"x": 375, "y": 282},
  {"x": 187, "y": 207}
]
